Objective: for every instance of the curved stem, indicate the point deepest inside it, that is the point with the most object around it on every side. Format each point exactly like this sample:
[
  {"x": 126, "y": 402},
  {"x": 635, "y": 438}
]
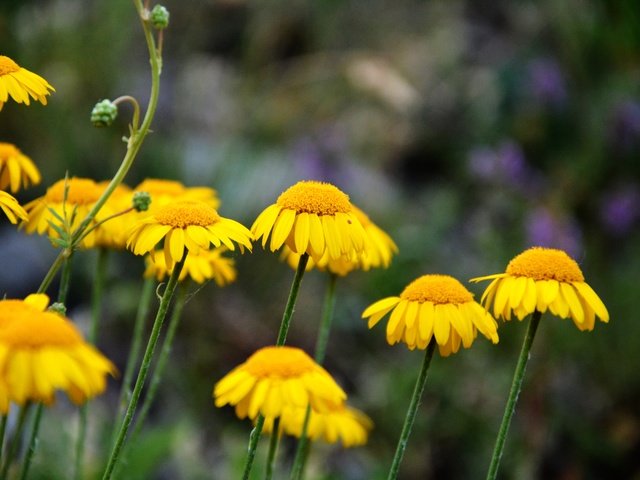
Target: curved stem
[
  {"x": 33, "y": 442},
  {"x": 273, "y": 448},
  {"x": 411, "y": 412},
  {"x": 144, "y": 367},
  {"x": 516, "y": 387},
  {"x": 291, "y": 301}
]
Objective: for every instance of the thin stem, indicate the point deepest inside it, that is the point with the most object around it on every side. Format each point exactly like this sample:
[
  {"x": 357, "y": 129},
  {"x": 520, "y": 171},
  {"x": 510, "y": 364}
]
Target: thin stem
[
  {"x": 33, "y": 442},
  {"x": 3, "y": 429},
  {"x": 291, "y": 301},
  {"x": 516, "y": 387},
  {"x": 144, "y": 368},
  {"x": 134, "y": 351},
  {"x": 254, "y": 436},
  {"x": 273, "y": 448},
  {"x": 15, "y": 441},
  {"x": 136, "y": 108},
  {"x": 65, "y": 279},
  {"x": 96, "y": 304},
  {"x": 411, "y": 412},
  {"x": 302, "y": 449}
]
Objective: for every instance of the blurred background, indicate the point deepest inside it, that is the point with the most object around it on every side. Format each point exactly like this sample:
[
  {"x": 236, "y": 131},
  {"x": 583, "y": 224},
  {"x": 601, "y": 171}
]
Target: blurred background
[{"x": 467, "y": 130}]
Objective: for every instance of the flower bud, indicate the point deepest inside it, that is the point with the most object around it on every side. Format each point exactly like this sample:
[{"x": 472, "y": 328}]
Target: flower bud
[
  {"x": 159, "y": 17},
  {"x": 141, "y": 201},
  {"x": 58, "y": 308},
  {"x": 104, "y": 113}
]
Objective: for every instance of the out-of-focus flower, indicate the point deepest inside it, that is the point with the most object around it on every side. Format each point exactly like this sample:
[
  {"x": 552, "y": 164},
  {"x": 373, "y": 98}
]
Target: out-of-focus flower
[
  {"x": 547, "y": 229},
  {"x": 543, "y": 279},
  {"x": 620, "y": 209},
  {"x": 16, "y": 169},
  {"x": 164, "y": 191},
  {"x": 434, "y": 307},
  {"x": 547, "y": 82},
  {"x": 12, "y": 208},
  {"x": 201, "y": 266},
  {"x": 625, "y": 130},
  {"x": 21, "y": 84},
  {"x": 505, "y": 164}
]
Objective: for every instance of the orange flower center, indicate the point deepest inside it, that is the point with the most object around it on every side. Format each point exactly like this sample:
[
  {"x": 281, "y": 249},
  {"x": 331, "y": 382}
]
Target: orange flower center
[
  {"x": 161, "y": 187},
  {"x": 82, "y": 191},
  {"x": 33, "y": 329},
  {"x": 8, "y": 150},
  {"x": 436, "y": 289},
  {"x": 545, "y": 264},
  {"x": 7, "y": 65},
  {"x": 316, "y": 198},
  {"x": 184, "y": 214},
  {"x": 279, "y": 362}
]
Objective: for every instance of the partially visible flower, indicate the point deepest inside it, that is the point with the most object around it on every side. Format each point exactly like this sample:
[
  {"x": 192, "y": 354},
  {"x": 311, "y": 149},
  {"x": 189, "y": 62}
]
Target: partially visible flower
[
  {"x": 202, "y": 266},
  {"x": 21, "y": 84},
  {"x": 166, "y": 191},
  {"x": 344, "y": 424},
  {"x": 625, "y": 126},
  {"x": 547, "y": 83},
  {"x": 313, "y": 218},
  {"x": 274, "y": 379},
  {"x": 82, "y": 194},
  {"x": 113, "y": 232},
  {"x": 620, "y": 209},
  {"x": 42, "y": 352},
  {"x": 12, "y": 208},
  {"x": 543, "y": 279},
  {"x": 433, "y": 308},
  {"x": 505, "y": 164},
  {"x": 16, "y": 169},
  {"x": 546, "y": 228},
  {"x": 190, "y": 225}
]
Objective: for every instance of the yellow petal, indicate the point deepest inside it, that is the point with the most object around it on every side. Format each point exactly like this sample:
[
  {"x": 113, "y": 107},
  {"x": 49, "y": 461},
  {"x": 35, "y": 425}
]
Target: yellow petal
[{"x": 590, "y": 296}]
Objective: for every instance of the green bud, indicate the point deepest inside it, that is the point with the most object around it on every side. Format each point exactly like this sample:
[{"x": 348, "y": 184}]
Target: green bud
[
  {"x": 141, "y": 201},
  {"x": 104, "y": 113},
  {"x": 58, "y": 308},
  {"x": 159, "y": 17}
]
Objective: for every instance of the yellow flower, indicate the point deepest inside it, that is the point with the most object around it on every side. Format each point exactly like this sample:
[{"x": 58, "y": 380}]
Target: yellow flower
[
  {"x": 12, "y": 208},
  {"x": 274, "y": 378},
  {"x": 193, "y": 225},
  {"x": 41, "y": 352},
  {"x": 16, "y": 169},
  {"x": 81, "y": 197},
  {"x": 343, "y": 424},
  {"x": 113, "y": 232},
  {"x": 312, "y": 218},
  {"x": 433, "y": 306},
  {"x": 20, "y": 84},
  {"x": 164, "y": 192},
  {"x": 543, "y": 279},
  {"x": 379, "y": 249},
  {"x": 203, "y": 266}
]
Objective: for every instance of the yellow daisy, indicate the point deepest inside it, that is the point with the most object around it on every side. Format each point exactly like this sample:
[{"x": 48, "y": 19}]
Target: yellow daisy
[
  {"x": 164, "y": 192},
  {"x": 343, "y": 424},
  {"x": 543, "y": 279},
  {"x": 12, "y": 208},
  {"x": 113, "y": 232},
  {"x": 20, "y": 84},
  {"x": 203, "y": 266},
  {"x": 274, "y": 378},
  {"x": 193, "y": 225},
  {"x": 16, "y": 169},
  {"x": 41, "y": 352},
  {"x": 81, "y": 197},
  {"x": 312, "y": 218},
  {"x": 433, "y": 306}
]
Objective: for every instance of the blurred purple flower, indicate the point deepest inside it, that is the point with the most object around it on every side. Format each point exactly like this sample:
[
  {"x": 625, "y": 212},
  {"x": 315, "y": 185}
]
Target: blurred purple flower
[
  {"x": 544, "y": 228},
  {"x": 320, "y": 157},
  {"x": 620, "y": 209},
  {"x": 506, "y": 164},
  {"x": 547, "y": 82},
  {"x": 626, "y": 125}
]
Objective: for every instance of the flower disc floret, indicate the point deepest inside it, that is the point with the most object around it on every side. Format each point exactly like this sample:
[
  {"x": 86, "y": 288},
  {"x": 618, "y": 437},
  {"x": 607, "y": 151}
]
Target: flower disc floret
[
  {"x": 312, "y": 218},
  {"x": 543, "y": 279},
  {"x": 276, "y": 378},
  {"x": 190, "y": 225},
  {"x": 21, "y": 84},
  {"x": 433, "y": 308},
  {"x": 16, "y": 169}
]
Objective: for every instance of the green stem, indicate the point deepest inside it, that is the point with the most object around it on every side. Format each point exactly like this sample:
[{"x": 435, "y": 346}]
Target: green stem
[
  {"x": 96, "y": 304},
  {"x": 3, "y": 429},
  {"x": 144, "y": 367},
  {"x": 254, "y": 436},
  {"x": 291, "y": 301},
  {"x": 273, "y": 448},
  {"x": 134, "y": 351},
  {"x": 65, "y": 279},
  {"x": 303, "y": 447},
  {"x": 33, "y": 442},
  {"x": 516, "y": 387},
  {"x": 15, "y": 441},
  {"x": 411, "y": 412}
]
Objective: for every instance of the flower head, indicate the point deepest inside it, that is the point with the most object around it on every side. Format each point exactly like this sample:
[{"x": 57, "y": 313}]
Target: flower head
[
  {"x": 193, "y": 225},
  {"x": 433, "y": 306},
  {"x": 71, "y": 199},
  {"x": 16, "y": 169},
  {"x": 313, "y": 218},
  {"x": 12, "y": 208},
  {"x": 203, "y": 266},
  {"x": 41, "y": 352},
  {"x": 543, "y": 279},
  {"x": 344, "y": 424},
  {"x": 21, "y": 84},
  {"x": 276, "y": 378}
]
